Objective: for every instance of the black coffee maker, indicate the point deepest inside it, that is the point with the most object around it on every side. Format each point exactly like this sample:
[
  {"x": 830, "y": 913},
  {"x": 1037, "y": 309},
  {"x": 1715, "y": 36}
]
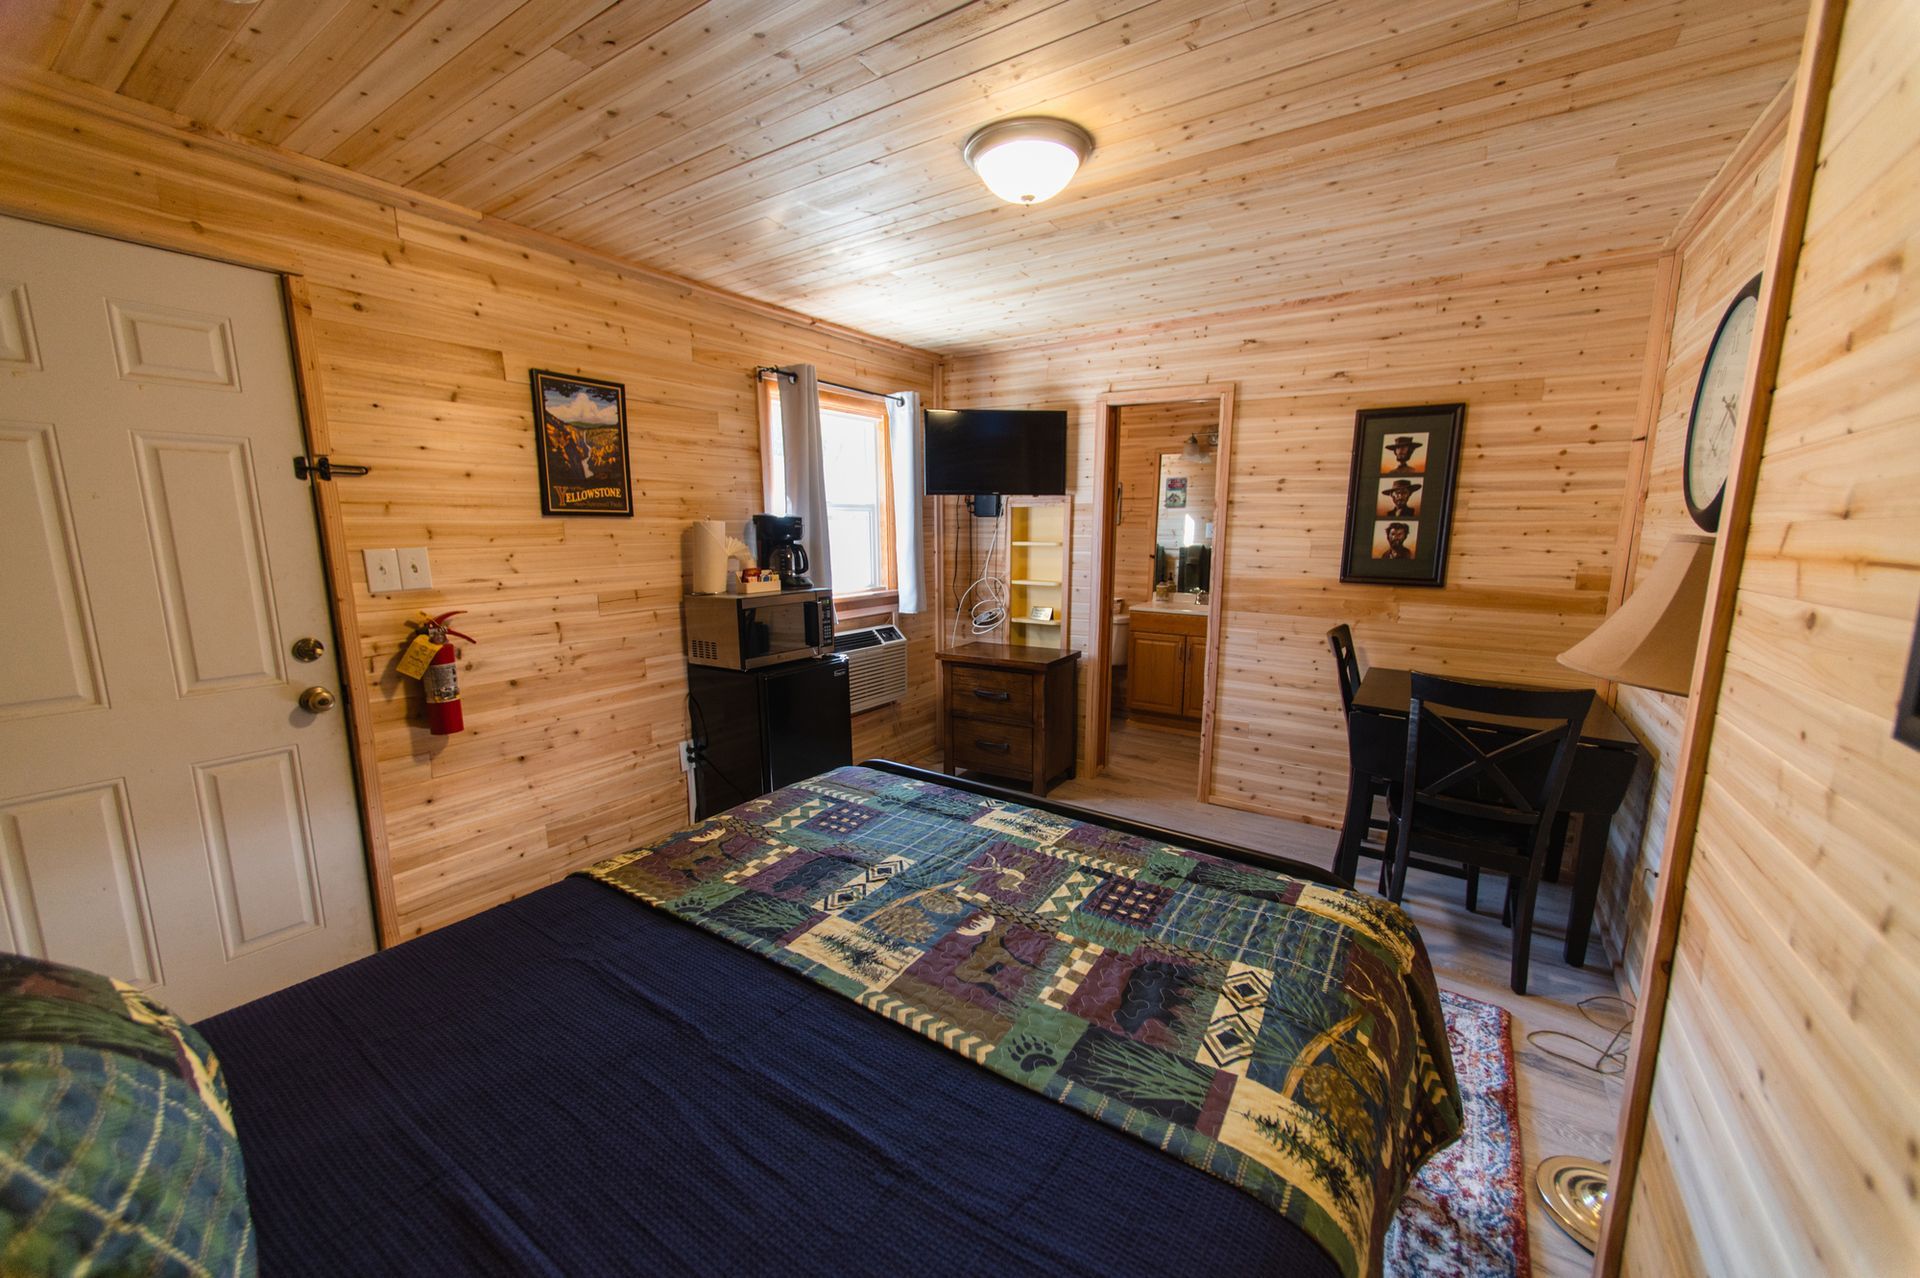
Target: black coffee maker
[{"x": 776, "y": 542}]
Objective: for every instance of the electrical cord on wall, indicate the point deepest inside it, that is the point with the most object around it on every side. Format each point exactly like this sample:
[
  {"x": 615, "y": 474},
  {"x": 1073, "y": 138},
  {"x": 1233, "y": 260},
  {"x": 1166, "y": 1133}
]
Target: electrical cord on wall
[
  {"x": 697, "y": 722},
  {"x": 984, "y": 603},
  {"x": 962, "y": 541}
]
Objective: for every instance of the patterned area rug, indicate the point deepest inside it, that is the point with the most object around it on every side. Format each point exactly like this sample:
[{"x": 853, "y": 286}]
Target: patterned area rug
[{"x": 1466, "y": 1215}]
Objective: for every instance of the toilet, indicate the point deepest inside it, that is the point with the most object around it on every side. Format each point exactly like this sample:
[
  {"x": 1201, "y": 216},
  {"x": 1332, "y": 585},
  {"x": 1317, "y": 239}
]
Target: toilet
[{"x": 1117, "y": 636}]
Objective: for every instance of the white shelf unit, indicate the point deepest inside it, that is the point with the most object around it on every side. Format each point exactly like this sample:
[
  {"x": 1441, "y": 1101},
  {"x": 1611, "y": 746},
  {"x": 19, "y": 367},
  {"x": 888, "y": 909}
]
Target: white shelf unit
[{"x": 1040, "y": 531}]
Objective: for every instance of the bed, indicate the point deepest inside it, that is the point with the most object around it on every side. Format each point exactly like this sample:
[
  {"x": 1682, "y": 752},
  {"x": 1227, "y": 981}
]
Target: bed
[{"x": 879, "y": 1022}]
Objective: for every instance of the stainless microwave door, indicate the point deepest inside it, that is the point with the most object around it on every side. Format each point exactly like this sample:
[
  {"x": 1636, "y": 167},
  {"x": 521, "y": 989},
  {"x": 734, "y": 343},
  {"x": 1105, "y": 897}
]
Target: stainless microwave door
[{"x": 775, "y": 631}]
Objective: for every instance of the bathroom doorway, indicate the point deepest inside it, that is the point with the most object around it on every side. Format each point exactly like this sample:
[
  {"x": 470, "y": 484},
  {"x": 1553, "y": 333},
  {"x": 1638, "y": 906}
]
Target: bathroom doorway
[{"x": 1161, "y": 470}]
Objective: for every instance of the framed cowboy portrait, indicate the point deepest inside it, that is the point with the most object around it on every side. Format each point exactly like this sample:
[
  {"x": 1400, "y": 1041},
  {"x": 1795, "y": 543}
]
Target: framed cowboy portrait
[
  {"x": 581, "y": 426},
  {"x": 1400, "y": 494}
]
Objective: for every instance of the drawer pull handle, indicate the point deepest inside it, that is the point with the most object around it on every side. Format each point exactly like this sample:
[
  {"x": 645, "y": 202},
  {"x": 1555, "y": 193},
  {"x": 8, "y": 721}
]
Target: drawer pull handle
[
  {"x": 985, "y": 695},
  {"x": 998, "y": 747}
]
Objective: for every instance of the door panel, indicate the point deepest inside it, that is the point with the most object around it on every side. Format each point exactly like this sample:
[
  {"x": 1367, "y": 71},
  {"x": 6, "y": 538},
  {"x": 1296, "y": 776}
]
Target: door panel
[
  {"x": 18, "y": 349},
  {"x": 51, "y": 663},
  {"x": 203, "y": 523},
  {"x": 161, "y": 344},
  {"x": 254, "y": 811},
  {"x": 72, "y": 882},
  {"x": 156, "y": 769},
  {"x": 1193, "y": 700},
  {"x": 1154, "y": 675}
]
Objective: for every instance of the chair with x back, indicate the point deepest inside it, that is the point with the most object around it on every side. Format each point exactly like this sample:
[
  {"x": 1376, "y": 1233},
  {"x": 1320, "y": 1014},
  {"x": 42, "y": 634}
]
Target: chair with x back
[
  {"x": 1346, "y": 664},
  {"x": 1486, "y": 767},
  {"x": 1371, "y": 778}
]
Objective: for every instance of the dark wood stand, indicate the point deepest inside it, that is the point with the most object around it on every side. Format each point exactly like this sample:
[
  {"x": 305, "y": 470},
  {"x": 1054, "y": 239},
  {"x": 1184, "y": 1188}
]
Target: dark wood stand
[{"x": 1009, "y": 711}]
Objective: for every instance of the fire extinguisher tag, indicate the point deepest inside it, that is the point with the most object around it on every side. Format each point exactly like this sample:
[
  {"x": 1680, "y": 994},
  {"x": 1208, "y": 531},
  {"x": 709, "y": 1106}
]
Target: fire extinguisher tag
[
  {"x": 441, "y": 683},
  {"x": 419, "y": 655}
]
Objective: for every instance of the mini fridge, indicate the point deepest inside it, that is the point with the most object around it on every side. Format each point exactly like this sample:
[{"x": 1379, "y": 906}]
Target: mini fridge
[{"x": 757, "y": 730}]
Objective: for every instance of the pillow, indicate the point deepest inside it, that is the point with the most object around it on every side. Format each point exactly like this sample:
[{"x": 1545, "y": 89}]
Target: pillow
[{"x": 117, "y": 1148}]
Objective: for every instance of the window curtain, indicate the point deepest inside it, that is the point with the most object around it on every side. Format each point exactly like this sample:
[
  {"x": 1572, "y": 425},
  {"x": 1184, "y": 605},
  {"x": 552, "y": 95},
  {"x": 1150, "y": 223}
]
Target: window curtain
[
  {"x": 909, "y": 497},
  {"x": 806, "y": 478}
]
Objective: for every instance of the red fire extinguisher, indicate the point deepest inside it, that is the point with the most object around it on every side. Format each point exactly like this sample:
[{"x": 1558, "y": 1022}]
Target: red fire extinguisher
[{"x": 441, "y": 682}]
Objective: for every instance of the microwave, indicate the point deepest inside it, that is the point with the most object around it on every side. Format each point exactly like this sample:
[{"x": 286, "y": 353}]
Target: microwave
[{"x": 746, "y": 632}]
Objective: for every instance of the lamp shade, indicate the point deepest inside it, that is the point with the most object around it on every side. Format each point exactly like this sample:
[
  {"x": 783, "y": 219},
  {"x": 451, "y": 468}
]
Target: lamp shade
[
  {"x": 1028, "y": 160},
  {"x": 1649, "y": 639}
]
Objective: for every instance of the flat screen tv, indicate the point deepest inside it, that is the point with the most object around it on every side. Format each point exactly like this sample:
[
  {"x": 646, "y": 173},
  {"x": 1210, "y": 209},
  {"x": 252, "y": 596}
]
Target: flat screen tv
[{"x": 999, "y": 451}]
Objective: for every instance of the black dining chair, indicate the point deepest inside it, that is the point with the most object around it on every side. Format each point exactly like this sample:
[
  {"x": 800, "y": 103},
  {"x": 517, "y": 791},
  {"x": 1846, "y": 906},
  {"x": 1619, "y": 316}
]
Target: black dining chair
[
  {"x": 1486, "y": 766},
  {"x": 1346, "y": 663}
]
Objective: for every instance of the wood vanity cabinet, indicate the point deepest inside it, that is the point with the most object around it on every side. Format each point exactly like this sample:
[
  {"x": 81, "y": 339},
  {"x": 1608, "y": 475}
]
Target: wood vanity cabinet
[{"x": 1167, "y": 665}]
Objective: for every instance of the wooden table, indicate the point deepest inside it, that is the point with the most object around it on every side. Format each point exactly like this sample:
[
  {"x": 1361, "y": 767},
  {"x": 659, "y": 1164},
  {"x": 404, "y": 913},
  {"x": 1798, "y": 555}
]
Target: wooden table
[
  {"x": 1603, "y": 768},
  {"x": 1008, "y": 710}
]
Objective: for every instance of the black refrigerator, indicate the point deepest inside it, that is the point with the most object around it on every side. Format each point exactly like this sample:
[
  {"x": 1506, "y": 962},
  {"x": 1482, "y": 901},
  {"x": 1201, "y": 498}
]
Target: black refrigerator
[{"x": 757, "y": 730}]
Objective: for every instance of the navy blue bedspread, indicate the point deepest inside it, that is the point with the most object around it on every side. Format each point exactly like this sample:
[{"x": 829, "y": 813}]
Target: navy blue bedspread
[{"x": 576, "y": 1084}]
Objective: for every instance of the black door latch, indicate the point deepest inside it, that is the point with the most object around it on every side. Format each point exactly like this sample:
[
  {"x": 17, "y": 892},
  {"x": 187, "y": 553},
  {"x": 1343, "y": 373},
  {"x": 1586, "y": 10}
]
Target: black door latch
[{"x": 325, "y": 467}]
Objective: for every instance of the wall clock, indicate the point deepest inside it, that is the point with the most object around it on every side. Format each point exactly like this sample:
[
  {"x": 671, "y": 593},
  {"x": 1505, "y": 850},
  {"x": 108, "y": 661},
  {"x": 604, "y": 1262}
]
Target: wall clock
[{"x": 1716, "y": 408}]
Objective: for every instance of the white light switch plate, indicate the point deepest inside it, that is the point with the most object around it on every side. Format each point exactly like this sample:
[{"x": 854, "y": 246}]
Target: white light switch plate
[
  {"x": 416, "y": 570},
  {"x": 383, "y": 571}
]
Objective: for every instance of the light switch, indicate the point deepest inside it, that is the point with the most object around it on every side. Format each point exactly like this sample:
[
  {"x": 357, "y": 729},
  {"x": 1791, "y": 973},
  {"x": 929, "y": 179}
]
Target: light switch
[
  {"x": 416, "y": 570},
  {"x": 383, "y": 571}
]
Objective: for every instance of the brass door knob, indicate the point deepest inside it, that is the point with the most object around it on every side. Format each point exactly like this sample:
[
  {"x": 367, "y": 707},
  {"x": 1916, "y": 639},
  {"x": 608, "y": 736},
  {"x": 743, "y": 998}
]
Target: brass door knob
[
  {"x": 308, "y": 650},
  {"x": 316, "y": 700}
]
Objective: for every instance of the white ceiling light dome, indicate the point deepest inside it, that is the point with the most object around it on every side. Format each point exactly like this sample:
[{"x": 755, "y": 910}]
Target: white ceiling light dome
[{"x": 1029, "y": 159}]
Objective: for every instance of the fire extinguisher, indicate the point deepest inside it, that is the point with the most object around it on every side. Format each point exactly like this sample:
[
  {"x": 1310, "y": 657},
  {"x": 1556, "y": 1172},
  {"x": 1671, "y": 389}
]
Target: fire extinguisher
[{"x": 441, "y": 681}]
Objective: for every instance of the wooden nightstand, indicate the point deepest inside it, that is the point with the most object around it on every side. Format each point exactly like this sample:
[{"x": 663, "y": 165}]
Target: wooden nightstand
[{"x": 1010, "y": 711}]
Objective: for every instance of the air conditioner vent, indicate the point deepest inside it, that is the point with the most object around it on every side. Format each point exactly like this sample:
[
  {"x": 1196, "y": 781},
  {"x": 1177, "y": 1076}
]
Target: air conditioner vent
[
  {"x": 872, "y": 637},
  {"x": 876, "y": 664}
]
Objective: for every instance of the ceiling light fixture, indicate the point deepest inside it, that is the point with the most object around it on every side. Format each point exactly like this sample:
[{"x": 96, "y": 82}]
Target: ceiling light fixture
[{"x": 1029, "y": 159}]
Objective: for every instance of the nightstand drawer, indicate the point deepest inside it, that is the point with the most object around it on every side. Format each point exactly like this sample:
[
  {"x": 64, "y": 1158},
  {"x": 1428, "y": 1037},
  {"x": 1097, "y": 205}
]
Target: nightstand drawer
[
  {"x": 1006, "y": 695},
  {"x": 1003, "y": 748}
]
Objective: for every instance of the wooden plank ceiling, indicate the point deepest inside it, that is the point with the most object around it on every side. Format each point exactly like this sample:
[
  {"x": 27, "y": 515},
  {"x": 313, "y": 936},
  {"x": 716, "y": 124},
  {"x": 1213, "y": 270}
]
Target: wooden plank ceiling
[{"x": 808, "y": 153}]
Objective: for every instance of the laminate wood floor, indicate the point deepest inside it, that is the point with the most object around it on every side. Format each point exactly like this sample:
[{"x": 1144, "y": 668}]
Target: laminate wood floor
[{"x": 1563, "y": 1109}]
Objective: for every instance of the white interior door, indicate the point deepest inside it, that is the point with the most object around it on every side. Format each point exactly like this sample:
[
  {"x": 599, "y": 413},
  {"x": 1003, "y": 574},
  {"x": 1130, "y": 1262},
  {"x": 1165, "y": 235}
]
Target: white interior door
[{"x": 170, "y": 814}]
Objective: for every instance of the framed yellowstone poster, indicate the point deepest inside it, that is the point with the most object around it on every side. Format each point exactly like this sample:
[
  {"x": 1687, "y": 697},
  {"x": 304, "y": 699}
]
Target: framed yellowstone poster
[
  {"x": 1400, "y": 494},
  {"x": 581, "y": 426}
]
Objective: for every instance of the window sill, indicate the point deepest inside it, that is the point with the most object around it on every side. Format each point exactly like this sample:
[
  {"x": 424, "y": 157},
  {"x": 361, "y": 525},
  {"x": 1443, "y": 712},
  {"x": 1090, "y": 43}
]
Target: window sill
[{"x": 866, "y": 602}]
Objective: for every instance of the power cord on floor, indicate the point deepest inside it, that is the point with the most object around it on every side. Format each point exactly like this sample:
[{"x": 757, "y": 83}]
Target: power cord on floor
[{"x": 1609, "y": 1060}]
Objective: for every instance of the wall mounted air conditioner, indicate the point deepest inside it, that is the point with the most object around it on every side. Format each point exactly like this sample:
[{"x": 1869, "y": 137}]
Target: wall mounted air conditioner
[{"x": 877, "y": 663}]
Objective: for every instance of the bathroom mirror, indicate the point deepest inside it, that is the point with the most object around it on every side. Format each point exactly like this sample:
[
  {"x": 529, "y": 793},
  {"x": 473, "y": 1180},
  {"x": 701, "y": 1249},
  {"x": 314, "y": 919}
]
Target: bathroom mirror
[{"x": 1183, "y": 536}]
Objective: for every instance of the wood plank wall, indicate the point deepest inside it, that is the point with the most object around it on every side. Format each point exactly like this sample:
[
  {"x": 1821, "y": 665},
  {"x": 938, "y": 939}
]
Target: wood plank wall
[
  {"x": 1550, "y": 368},
  {"x": 427, "y": 324},
  {"x": 1784, "y": 1135},
  {"x": 1146, "y": 432},
  {"x": 1718, "y": 254}
]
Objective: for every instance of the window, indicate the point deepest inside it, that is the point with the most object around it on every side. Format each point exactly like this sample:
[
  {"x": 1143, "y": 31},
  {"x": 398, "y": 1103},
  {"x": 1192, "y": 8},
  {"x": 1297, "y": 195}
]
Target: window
[{"x": 859, "y": 468}]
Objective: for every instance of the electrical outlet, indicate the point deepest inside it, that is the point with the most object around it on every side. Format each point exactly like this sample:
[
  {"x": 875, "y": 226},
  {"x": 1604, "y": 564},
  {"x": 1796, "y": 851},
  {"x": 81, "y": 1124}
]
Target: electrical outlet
[
  {"x": 383, "y": 571},
  {"x": 686, "y": 756},
  {"x": 416, "y": 570}
]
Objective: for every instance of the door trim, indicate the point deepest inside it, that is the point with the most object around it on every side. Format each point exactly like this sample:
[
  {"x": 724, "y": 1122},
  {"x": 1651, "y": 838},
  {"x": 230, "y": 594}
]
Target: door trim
[
  {"x": 330, "y": 524},
  {"x": 1106, "y": 461},
  {"x": 1786, "y": 234}
]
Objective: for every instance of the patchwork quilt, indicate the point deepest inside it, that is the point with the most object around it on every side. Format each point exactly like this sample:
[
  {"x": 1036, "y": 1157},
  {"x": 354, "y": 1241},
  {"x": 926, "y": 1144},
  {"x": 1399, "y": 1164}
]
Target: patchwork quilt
[
  {"x": 117, "y": 1147},
  {"x": 1283, "y": 1036}
]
